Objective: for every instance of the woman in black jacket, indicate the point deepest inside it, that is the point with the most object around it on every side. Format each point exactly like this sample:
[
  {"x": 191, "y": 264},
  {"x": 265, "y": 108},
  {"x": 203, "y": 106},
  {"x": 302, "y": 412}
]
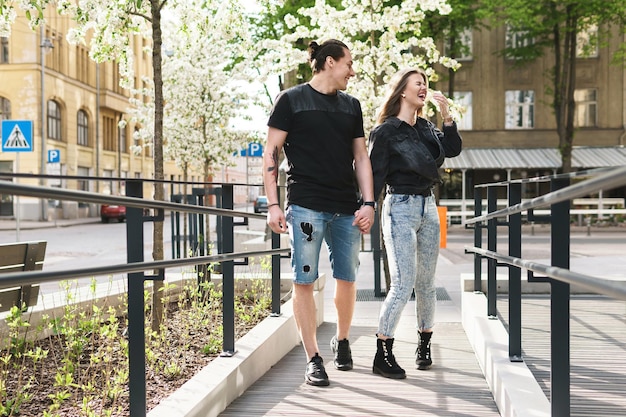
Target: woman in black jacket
[{"x": 406, "y": 151}]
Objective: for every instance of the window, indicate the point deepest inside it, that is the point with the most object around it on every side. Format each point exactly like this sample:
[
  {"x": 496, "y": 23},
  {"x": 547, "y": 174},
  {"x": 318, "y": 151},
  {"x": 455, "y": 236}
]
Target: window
[
  {"x": 83, "y": 128},
  {"x": 4, "y": 50},
  {"x": 82, "y": 184},
  {"x": 464, "y": 99},
  {"x": 148, "y": 150},
  {"x": 108, "y": 133},
  {"x": 121, "y": 131},
  {"x": 123, "y": 183},
  {"x": 587, "y": 42},
  {"x": 54, "y": 120},
  {"x": 585, "y": 114},
  {"x": 463, "y": 50},
  {"x": 137, "y": 142},
  {"x": 107, "y": 185},
  {"x": 516, "y": 40},
  {"x": 55, "y": 59},
  {"x": 84, "y": 64},
  {"x": 5, "y": 111},
  {"x": 519, "y": 109},
  {"x": 5, "y": 108}
]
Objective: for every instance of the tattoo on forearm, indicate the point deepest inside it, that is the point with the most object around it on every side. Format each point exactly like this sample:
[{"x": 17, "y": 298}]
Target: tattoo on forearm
[{"x": 274, "y": 167}]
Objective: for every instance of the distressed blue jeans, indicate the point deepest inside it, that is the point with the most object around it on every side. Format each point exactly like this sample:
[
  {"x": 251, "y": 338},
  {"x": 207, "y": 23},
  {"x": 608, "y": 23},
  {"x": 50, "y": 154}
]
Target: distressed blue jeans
[
  {"x": 410, "y": 226},
  {"x": 307, "y": 229}
]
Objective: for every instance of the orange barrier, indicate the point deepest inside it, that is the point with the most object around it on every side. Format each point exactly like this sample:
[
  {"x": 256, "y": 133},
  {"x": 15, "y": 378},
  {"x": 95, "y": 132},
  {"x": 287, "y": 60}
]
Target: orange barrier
[{"x": 443, "y": 225}]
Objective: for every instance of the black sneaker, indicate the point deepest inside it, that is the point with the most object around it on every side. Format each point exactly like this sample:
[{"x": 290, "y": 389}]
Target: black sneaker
[
  {"x": 343, "y": 354},
  {"x": 315, "y": 373}
]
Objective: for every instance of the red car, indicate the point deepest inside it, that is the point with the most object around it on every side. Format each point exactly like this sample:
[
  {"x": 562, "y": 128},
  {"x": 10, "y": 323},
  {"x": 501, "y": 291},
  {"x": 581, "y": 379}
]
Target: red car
[{"x": 112, "y": 212}]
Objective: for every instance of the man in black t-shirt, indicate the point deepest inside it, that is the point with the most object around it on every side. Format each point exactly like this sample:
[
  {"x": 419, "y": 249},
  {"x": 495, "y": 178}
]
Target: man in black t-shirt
[{"x": 320, "y": 128}]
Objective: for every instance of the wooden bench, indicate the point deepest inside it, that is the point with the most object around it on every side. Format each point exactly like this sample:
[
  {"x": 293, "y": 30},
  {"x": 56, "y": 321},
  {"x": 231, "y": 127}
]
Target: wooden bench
[{"x": 15, "y": 257}]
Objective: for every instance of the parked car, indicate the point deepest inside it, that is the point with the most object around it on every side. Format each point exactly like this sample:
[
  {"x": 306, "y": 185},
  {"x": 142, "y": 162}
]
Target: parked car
[
  {"x": 108, "y": 212},
  {"x": 260, "y": 204}
]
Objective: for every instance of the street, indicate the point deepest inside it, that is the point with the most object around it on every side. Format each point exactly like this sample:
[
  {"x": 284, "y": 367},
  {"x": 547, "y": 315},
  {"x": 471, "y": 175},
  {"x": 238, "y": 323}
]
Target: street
[{"x": 104, "y": 244}]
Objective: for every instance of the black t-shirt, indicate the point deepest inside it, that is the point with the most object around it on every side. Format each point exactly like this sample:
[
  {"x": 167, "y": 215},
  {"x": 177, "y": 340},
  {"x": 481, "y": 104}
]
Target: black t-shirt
[{"x": 321, "y": 132}]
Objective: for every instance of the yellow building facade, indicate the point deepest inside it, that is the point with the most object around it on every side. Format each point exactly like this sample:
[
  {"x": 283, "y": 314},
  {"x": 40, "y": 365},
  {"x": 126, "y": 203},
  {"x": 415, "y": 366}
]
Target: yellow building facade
[
  {"x": 509, "y": 129},
  {"x": 75, "y": 107}
]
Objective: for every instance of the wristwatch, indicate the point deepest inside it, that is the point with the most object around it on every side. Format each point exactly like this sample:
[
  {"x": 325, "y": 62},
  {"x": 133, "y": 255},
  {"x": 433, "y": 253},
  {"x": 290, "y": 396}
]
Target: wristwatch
[{"x": 370, "y": 203}]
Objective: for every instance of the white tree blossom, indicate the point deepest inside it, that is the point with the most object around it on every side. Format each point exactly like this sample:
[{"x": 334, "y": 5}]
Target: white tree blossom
[
  {"x": 383, "y": 38},
  {"x": 204, "y": 83}
]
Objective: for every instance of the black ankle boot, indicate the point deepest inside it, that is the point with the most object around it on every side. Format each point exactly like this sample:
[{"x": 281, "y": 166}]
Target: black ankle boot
[
  {"x": 385, "y": 363},
  {"x": 423, "y": 359}
]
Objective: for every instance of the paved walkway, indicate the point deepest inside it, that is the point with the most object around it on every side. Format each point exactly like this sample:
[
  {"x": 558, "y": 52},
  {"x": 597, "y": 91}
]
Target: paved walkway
[{"x": 455, "y": 385}]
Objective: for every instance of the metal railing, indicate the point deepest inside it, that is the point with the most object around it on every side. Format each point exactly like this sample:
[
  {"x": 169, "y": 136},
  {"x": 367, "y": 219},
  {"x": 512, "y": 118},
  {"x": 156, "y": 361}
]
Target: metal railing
[
  {"x": 557, "y": 274},
  {"x": 136, "y": 266}
]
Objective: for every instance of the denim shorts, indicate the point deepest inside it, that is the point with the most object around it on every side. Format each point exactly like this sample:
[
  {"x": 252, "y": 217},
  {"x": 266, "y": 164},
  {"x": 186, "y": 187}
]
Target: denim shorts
[{"x": 307, "y": 229}]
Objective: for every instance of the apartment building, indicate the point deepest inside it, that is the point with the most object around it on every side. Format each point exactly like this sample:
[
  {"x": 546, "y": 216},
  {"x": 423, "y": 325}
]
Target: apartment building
[
  {"x": 509, "y": 130},
  {"x": 74, "y": 106}
]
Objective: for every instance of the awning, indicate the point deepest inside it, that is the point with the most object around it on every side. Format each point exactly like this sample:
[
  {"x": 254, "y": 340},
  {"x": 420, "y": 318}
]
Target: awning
[{"x": 506, "y": 158}]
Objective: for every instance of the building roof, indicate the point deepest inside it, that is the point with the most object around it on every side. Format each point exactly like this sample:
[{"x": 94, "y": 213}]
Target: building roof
[{"x": 494, "y": 158}]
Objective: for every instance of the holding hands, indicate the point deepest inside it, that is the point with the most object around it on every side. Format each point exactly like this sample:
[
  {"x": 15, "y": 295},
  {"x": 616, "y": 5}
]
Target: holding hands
[{"x": 364, "y": 218}]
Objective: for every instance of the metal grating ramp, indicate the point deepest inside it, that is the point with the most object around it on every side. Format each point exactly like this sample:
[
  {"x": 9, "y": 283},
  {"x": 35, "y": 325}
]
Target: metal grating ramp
[{"x": 368, "y": 295}]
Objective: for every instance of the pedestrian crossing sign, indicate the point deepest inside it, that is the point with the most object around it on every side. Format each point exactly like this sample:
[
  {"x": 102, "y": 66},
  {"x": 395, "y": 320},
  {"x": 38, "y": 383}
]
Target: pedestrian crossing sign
[{"x": 17, "y": 136}]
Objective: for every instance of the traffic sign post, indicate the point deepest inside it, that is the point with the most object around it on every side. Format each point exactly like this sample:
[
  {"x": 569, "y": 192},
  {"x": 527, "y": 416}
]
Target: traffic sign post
[
  {"x": 17, "y": 136},
  {"x": 54, "y": 167}
]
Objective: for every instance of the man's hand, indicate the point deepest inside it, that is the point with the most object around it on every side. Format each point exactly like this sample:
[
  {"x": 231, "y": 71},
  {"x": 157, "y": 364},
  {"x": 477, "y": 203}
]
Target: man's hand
[
  {"x": 276, "y": 219},
  {"x": 364, "y": 218}
]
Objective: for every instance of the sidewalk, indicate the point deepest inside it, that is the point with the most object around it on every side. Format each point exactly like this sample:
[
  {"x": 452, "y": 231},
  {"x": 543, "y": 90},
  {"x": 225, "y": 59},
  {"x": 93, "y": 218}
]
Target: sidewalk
[
  {"x": 12, "y": 224},
  {"x": 454, "y": 386},
  {"x": 466, "y": 350}
]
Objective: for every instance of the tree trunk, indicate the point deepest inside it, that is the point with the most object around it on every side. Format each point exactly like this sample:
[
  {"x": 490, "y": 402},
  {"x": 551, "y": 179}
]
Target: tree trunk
[
  {"x": 564, "y": 79},
  {"x": 185, "y": 215},
  {"x": 159, "y": 195}
]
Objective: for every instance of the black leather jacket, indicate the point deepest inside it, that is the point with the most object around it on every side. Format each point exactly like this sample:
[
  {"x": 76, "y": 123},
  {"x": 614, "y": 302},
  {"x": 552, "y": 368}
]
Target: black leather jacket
[{"x": 407, "y": 158}]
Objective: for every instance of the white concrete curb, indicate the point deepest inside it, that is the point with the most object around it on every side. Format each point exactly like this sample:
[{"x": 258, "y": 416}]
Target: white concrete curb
[{"x": 514, "y": 387}]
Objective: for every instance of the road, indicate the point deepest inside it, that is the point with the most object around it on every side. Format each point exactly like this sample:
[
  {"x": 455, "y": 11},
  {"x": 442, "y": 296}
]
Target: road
[
  {"x": 99, "y": 244},
  {"x": 103, "y": 244}
]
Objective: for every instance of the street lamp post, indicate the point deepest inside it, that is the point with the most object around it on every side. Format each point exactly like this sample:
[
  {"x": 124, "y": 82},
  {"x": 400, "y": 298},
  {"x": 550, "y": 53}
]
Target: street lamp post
[{"x": 44, "y": 47}]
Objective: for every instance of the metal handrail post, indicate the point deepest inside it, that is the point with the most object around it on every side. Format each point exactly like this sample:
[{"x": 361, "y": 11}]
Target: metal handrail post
[
  {"x": 492, "y": 237},
  {"x": 515, "y": 276},
  {"x": 376, "y": 253},
  {"x": 136, "y": 329},
  {"x": 478, "y": 239},
  {"x": 228, "y": 273},
  {"x": 560, "y": 304},
  {"x": 275, "y": 267},
  {"x": 275, "y": 276}
]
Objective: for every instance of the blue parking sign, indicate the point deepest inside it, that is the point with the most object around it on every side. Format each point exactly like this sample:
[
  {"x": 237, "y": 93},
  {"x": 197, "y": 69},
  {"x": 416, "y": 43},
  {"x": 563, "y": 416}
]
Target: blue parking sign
[
  {"x": 255, "y": 149},
  {"x": 17, "y": 136},
  {"x": 54, "y": 156}
]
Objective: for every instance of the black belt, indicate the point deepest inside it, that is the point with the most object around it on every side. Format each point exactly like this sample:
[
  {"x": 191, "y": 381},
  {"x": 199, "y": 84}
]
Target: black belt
[{"x": 409, "y": 190}]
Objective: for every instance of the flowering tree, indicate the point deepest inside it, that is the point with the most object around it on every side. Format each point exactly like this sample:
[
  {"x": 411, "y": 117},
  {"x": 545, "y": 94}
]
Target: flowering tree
[
  {"x": 114, "y": 24},
  {"x": 203, "y": 85},
  {"x": 383, "y": 35}
]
